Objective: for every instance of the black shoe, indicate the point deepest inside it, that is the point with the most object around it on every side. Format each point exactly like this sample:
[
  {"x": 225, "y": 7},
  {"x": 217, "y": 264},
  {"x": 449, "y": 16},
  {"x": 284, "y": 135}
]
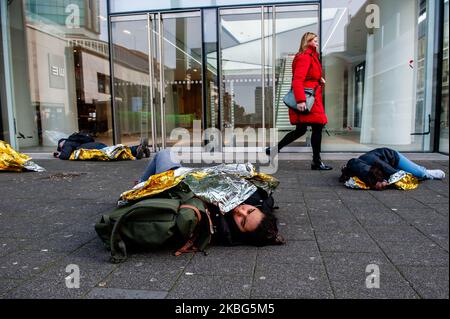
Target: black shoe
[
  {"x": 268, "y": 151},
  {"x": 147, "y": 152},
  {"x": 139, "y": 152},
  {"x": 320, "y": 166},
  {"x": 144, "y": 145}
]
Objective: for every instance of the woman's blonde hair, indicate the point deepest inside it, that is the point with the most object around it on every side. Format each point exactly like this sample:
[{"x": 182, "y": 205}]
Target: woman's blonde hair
[{"x": 308, "y": 36}]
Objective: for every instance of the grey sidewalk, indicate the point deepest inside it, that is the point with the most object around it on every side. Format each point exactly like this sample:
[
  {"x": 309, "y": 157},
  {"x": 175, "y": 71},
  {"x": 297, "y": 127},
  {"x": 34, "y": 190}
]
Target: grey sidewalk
[{"x": 333, "y": 234}]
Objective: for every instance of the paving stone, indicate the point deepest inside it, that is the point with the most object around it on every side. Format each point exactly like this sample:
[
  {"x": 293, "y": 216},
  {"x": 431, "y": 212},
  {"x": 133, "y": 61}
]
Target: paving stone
[
  {"x": 116, "y": 293},
  {"x": 26, "y": 263},
  {"x": 239, "y": 261},
  {"x": 292, "y": 281},
  {"x": 351, "y": 267},
  {"x": 10, "y": 245},
  {"x": 442, "y": 209},
  {"x": 429, "y": 282},
  {"x": 424, "y": 253},
  {"x": 293, "y": 252},
  {"x": 191, "y": 286},
  {"x": 346, "y": 242},
  {"x": 396, "y": 233},
  {"x": 335, "y": 224},
  {"x": 296, "y": 232},
  {"x": 378, "y": 218},
  {"x": 8, "y": 284},
  {"x": 390, "y": 288}
]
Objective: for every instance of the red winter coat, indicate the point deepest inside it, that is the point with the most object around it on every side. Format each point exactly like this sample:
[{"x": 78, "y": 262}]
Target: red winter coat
[{"x": 307, "y": 71}]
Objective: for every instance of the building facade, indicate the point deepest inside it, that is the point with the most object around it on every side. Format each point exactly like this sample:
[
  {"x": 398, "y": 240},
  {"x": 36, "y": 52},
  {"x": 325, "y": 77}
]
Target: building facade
[{"x": 122, "y": 70}]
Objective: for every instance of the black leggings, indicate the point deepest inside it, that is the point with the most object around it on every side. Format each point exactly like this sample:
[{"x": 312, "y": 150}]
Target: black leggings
[{"x": 300, "y": 130}]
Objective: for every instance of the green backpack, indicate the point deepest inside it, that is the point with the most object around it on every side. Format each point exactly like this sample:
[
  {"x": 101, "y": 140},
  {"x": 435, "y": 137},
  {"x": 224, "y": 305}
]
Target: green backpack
[{"x": 155, "y": 222}]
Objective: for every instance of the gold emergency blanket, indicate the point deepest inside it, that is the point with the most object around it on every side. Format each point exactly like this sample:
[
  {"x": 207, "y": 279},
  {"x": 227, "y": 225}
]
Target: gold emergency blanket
[
  {"x": 111, "y": 153},
  {"x": 226, "y": 185},
  {"x": 400, "y": 180},
  {"x": 11, "y": 160}
]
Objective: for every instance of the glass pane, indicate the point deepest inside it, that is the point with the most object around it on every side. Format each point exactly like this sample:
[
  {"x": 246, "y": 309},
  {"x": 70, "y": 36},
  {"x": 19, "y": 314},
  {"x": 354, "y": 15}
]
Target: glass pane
[
  {"x": 60, "y": 67},
  {"x": 118, "y": 6},
  {"x": 291, "y": 23},
  {"x": 182, "y": 57},
  {"x": 375, "y": 66},
  {"x": 241, "y": 100},
  {"x": 443, "y": 143},
  {"x": 131, "y": 80},
  {"x": 211, "y": 81}
]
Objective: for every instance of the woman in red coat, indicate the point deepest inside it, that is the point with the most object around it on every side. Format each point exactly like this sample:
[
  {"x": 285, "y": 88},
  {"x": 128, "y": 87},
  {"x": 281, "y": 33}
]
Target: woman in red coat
[{"x": 307, "y": 74}]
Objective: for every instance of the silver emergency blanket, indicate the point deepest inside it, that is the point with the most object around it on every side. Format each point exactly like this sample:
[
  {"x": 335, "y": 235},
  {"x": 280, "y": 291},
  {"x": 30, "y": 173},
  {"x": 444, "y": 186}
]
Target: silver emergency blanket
[
  {"x": 394, "y": 178},
  {"x": 226, "y": 185},
  {"x": 221, "y": 188},
  {"x": 32, "y": 166}
]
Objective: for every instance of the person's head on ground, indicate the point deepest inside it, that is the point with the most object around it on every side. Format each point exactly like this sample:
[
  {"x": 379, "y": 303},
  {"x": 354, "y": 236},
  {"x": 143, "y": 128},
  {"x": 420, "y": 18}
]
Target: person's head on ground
[
  {"x": 376, "y": 178},
  {"x": 255, "y": 226},
  {"x": 309, "y": 39}
]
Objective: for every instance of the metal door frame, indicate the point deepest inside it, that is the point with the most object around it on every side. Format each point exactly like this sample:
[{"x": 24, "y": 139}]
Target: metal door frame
[{"x": 157, "y": 48}]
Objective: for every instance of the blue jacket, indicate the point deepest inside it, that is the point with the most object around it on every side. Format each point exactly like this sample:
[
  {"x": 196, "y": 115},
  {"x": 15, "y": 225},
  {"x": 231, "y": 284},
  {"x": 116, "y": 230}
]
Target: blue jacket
[{"x": 387, "y": 158}]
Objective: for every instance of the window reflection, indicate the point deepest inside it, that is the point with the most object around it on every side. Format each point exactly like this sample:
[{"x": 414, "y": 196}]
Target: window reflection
[
  {"x": 375, "y": 75},
  {"x": 60, "y": 70}
]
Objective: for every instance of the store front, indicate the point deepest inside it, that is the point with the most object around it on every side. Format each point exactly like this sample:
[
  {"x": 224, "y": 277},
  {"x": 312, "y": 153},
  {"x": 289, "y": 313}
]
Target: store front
[{"x": 123, "y": 72}]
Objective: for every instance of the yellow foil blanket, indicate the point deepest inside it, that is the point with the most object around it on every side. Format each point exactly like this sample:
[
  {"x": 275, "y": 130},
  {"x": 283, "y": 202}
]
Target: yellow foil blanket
[
  {"x": 111, "y": 153},
  {"x": 407, "y": 182},
  {"x": 13, "y": 161},
  {"x": 154, "y": 185}
]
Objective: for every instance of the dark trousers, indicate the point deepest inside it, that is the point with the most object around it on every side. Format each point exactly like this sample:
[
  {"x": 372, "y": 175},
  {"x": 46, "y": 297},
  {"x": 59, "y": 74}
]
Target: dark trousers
[{"x": 300, "y": 130}]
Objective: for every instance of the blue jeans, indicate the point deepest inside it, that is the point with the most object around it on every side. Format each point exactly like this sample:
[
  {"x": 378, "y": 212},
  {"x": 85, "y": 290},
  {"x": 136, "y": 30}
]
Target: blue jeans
[
  {"x": 162, "y": 161},
  {"x": 411, "y": 167}
]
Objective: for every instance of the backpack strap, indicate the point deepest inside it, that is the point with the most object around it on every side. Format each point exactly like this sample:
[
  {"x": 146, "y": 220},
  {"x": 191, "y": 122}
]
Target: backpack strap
[
  {"x": 195, "y": 209},
  {"x": 190, "y": 246}
]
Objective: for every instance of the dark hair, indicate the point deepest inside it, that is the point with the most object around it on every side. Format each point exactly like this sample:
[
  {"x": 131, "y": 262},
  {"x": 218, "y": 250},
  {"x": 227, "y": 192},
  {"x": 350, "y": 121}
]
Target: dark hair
[
  {"x": 376, "y": 174},
  {"x": 345, "y": 174},
  {"x": 265, "y": 234},
  {"x": 58, "y": 148}
]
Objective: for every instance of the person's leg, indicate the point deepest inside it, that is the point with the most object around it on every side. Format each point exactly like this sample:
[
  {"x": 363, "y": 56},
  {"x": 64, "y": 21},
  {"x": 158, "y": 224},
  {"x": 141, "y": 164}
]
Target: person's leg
[
  {"x": 316, "y": 144},
  {"x": 316, "y": 141},
  {"x": 418, "y": 171},
  {"x": 166, "y": 161},
  {"x": 150, "y": 170},
  {"x": 290, "y": 137},
  {"x": 409, "y": 166}
]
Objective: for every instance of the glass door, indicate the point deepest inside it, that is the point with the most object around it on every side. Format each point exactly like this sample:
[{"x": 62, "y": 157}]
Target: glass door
[
  {"x": 257, "y": 47},
  {"x": 180, "y": 45},
  {"x": 131, "y": 79},
  {"x": 157, "y": 67},
  {"x": 241, "y": 95}
]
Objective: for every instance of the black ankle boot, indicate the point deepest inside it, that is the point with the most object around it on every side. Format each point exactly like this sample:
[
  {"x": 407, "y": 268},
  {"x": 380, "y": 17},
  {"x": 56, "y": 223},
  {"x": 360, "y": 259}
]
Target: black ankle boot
[{"x": 320, "y": 166}]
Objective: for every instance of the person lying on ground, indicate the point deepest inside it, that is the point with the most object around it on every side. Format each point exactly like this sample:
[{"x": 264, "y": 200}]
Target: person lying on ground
[
  {"x": 239, "y": 212},
  {"x": 76, "y": 141},
  {"x": 374, "y": 168},
  {"x": 251, "y": 222}
]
